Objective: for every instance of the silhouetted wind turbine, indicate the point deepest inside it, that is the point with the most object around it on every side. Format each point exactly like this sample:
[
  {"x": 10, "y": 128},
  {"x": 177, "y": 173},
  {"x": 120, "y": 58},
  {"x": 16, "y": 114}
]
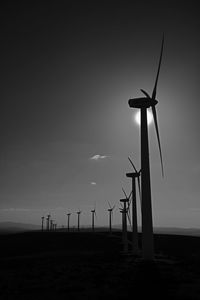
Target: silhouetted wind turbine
[
  {"x": 48, "y": 221},
  {"x": 42, "y": 223},
  {"x": 93, "y": 211},
  {"x": 110, "y": 210},
  {"x": 78, "y": 213},
  {"x": 68, "y": 220},
  {"x": 143, "y": 103},
  {"x": 128, "y": 207},
  {"x": 51, "y": 225},
  {"x": 124, "y": 211},
  {"x": 134, "y": 175}
]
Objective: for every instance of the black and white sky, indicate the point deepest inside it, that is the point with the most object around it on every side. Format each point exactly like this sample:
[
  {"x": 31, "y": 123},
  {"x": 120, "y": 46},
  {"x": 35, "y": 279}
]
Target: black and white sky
[{"x": 67, "y": 71}]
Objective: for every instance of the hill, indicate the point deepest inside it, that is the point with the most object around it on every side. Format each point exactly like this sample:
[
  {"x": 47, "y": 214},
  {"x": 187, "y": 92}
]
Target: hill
[
  {"x": 12, "y": 227},
  {"x": 87, "y": 265}
]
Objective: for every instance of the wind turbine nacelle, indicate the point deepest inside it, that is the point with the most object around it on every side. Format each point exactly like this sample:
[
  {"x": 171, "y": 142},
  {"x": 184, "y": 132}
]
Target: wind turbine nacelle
[
  {"x": 124, "y": 200},
  {"x": 142, "y": 102},
  {"x": 123, "y": 210},
  {"x": 132, "y": 175}
]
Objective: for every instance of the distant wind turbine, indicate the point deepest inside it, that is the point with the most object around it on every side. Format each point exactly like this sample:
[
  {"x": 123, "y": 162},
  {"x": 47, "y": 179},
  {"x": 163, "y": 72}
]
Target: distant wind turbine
[
  {"x": 93, "y": 211},
  {"x": 110, "y": 211},
  {"x": 134, "y": 175},
  {"x": 48, "y": 222},
  {"x": 51, "y": 225},
  {"x": 42, "y": 223},
  {"x": 78, "y": 213},
  {"x": 68, "y": 220},
  {"x": 143, "y": 104},
  {"x": 124, "y": 211}
]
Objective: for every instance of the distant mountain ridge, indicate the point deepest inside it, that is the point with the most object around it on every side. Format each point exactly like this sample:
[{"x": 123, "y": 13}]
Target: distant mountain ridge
[
  {"x": 9, "y": 227},
  {"x": 169, "y": 230},
  {"x": 16, "y": 227},
  {"x": 177, "y": 230}
]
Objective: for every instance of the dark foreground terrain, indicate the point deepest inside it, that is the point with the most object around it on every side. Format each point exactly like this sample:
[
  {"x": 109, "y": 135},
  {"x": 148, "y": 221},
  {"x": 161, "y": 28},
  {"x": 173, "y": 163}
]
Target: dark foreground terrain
[{"x": 86, "y": 265}]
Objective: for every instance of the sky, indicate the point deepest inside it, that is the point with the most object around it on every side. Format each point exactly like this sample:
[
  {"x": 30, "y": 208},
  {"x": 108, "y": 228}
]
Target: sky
[{"x": 67, "y": 73}]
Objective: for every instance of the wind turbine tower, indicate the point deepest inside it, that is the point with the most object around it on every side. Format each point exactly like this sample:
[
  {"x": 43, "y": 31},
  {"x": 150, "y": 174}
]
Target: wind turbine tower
[
  {"x": 51, "y": 225},
  {"x": 124, "y": 211},
  {"x": 42, "y": 223},
  {"x": 143, "y": 104},
  {"x": 134, "y": 176},
  {"x": 78, "y": 213},
  {"x": 93, "y": 211},
  {"x": 68, "y": 220},
  {"x": 110, "y": 211},
  {"x": 48, "y": 221}
]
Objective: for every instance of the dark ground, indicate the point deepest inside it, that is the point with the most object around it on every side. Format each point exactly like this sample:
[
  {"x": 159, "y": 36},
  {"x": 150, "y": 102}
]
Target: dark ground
[{"x": 86, "y": 265}]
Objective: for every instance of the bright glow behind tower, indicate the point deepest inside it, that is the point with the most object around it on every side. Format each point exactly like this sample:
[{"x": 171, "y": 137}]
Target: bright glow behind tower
[{"x": 137, "y": 117}]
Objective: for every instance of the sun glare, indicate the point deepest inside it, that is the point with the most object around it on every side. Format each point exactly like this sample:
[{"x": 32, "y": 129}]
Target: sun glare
[{"x": 149, "y": 117}]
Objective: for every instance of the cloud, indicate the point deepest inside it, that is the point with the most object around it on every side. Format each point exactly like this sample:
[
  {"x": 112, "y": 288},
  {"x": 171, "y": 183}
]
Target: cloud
[
  {"x": 98, "y": 157},
  {"x": 93, "y": 183}
]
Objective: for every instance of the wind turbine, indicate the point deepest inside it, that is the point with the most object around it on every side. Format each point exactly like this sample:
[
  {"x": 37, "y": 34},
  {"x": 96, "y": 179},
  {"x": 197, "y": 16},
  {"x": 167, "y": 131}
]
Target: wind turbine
[
  {"x": 78, "y": 213},
  {"x": 42, "y": 223},
  {"x": 51, "y": 225},
  {"x": 124, "y": 211},
  {"x": 93, "y": 211},
  {"x": 134, "y": 175},
  {"x": 110, "y": 211},
  {"x": 68, "y": 220},
  {"x": 48, "y": 221},
  {"x": 143, "y": 103}
]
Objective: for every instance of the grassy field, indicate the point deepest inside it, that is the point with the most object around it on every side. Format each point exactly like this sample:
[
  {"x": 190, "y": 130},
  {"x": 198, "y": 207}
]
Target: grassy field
[{"x": 86, "y": 265}]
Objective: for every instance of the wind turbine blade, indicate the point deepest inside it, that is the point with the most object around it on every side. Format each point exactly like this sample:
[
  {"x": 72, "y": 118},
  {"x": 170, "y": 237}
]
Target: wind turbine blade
[
  {"x": 129, "y": 196},
  {"x": 138, "y": 180},
  {"x": 129, "y": 218},
  {"x": 145, "y": 93},
  {"x": 125, "y": 193},
  {"x": 132, "y": 165},
  {"x": 158, "y": 137},
  {"x": 129, "y": 204},
  {"x": 157, "y": 75},
  {"x": 113, "y": 207},
  {"x": 109, "y": 204},
  {"x": 139, "y": 189}
]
